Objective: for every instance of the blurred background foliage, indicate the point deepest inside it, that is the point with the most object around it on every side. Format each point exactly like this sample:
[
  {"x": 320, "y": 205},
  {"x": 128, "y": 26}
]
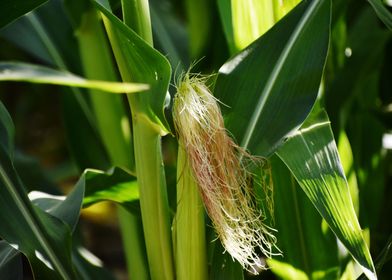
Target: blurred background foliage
[{"x": 357, "y": 93}]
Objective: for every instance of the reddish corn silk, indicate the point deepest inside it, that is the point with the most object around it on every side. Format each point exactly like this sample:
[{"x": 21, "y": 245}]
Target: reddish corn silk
[{"x": 220, "y": 168}]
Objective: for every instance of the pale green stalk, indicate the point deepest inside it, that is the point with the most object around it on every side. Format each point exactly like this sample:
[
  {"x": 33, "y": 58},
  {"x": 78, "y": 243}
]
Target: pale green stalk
[
  {"x": 149, "y": 162},
  {"x": 114, "y": 129},
  {"x": 136, "y": 14},
  {"x": 153, "y": 197},
  {"x": 189, "y": 235}
]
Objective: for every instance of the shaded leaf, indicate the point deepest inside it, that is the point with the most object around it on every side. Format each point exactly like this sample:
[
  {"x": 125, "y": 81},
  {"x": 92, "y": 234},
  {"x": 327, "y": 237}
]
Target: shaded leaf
[
  {"x": 89, "y": 267},
  {"x": 24, "y": 72},
  {"x": 12, "y": 9},
  {"x": 56, "y": 45},
  {"x": 312, "y": 157},
  {"x": 270, "y": 87},
  {"x": 223, "y": 265},
  {"x": 44, "y": 239},
  {"x": 11, "y": 267},
  {"x": 383, "y": 13}
]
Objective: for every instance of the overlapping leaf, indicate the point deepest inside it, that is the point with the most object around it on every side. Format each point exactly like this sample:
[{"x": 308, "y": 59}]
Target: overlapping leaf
[
  {"x": 10, "y": 262},
  {"x": 141, "y": 62},
  {"x": 270, "y": 87},
  {"x": 44, "y": 239}
]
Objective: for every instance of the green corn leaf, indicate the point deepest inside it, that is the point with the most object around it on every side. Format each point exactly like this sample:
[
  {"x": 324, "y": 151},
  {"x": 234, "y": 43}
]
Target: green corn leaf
[
  {"x": 44, "y": 239},
  {"x": 247, "y": 22},
  {"x": 55, "y": 44},
  {"x": 384, "y": 15},
  {"x": 11, "y": 267},
  {"x": 66, "y": 208},
  {"x": 116, "y": 185},
  {"x": 286, "y": 271},
  {"x": 24, "y": 72},
  {"x": 270, "y": 87},
  {"x": 312, "y": 157},
  {"x": 308, "y": 247},
  {"x": 10, "y": 10},
  {"x": 138, "y": 61}
]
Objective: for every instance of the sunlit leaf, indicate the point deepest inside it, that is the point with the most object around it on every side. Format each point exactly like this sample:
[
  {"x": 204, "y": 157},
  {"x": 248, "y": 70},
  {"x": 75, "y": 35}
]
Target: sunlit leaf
[
  {"x": 116, "y": 185},
  {"x": 312, "y": 157},
  {"x": 24, "y": 72},
  {"x": 286, "y": 271}
]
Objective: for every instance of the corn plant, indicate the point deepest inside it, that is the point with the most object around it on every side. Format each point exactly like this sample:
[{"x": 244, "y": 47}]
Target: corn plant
[{"x": 213, "y": 139}]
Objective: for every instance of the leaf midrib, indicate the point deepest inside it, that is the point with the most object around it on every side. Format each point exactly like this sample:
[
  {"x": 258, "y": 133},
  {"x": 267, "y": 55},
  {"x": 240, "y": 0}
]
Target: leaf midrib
[{"x": 275, "y": 73}]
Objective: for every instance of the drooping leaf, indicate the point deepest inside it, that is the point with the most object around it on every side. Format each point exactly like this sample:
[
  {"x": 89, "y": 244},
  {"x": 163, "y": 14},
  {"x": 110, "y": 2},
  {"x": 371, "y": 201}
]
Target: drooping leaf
[
  {"x": 312, "y": 157},
  {"x": 138, "y": 61},
  {"x": 66, "y": 208},
  {"x": 382, "y": 12},
  {"x": 116, "y": 185},
  {"x": 10, "y": 10},
  {"x": 11, "y": 267},
  {"x": 270, "y": 87},
  {"x": 24, "y": 72}
]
